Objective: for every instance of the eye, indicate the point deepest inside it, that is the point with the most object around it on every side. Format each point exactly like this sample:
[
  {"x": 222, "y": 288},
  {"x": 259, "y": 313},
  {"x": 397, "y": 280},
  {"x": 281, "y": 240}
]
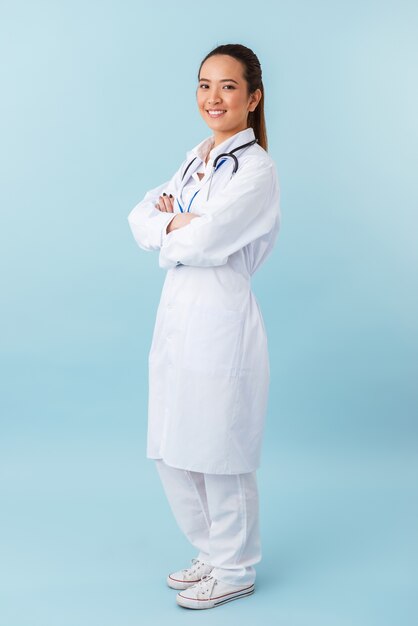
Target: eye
[{"x": 204, "y": 85}]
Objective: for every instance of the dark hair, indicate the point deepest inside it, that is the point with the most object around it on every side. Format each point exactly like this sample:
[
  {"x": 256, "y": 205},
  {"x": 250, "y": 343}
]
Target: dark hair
[{"x": 253, "y": 77}]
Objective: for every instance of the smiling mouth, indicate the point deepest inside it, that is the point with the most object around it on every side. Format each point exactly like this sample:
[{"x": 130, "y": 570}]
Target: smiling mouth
[{"x": 215, "y": 112}]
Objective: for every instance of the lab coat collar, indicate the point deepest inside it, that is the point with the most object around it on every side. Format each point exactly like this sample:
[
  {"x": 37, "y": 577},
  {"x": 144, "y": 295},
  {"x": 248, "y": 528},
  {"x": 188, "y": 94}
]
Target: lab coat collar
[{"x": 201, "y": 149}]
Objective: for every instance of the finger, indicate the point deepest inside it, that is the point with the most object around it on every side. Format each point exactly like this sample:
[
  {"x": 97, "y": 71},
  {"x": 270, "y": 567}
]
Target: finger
[
  {"x": 161, "y": 205},
  {"x": 168, "y": 203},
  {"x": 165, "y": 202}
]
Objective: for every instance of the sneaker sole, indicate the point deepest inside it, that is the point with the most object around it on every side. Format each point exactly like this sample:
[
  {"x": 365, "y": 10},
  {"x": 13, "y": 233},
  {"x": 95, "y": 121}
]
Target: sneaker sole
[{"x": 209, "y": 604}]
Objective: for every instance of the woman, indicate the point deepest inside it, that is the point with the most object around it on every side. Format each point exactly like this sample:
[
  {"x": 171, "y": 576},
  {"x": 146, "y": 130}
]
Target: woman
[{"x": 208, "y": 363}]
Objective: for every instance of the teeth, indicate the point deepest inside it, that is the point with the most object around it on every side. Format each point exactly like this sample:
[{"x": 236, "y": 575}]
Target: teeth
[{"x": 216, "y": 112}]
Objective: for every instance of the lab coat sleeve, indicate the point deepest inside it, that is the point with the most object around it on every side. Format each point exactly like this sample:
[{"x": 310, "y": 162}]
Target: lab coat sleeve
[
  {"x": 246, "y": 209},
  {"x": 148, "y": 224}
]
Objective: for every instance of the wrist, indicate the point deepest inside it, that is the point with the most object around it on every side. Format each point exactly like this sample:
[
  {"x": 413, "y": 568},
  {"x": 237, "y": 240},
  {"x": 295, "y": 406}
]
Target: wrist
[{"x": 170, "y": 226}]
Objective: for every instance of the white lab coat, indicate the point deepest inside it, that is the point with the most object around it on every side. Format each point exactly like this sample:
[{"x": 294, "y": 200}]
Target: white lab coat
[{"x": 209, "y": 371}]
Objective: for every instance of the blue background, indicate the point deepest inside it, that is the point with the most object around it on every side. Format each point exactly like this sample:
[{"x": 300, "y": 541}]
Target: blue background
[{"x": 98, "y": 106}]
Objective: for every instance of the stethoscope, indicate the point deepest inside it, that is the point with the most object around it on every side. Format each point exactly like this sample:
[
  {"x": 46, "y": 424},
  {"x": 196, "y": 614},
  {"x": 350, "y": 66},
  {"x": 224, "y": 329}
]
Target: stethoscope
[{"x": 224, "y": 156}]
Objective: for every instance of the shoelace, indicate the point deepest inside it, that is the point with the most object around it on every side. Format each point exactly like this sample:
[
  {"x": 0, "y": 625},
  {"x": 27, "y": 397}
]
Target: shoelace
[
  {"x": 205, "y": 585},
  {"x": 192, "y": 571}
]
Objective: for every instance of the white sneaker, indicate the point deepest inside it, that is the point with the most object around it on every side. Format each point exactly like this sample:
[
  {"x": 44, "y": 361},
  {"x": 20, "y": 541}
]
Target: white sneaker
[
  {"x": 184, "y": 578},
  {"x": 210, "y": 592}
]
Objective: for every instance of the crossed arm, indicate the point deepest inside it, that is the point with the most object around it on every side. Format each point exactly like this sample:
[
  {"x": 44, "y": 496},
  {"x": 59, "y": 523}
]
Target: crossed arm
[
  {"x": 148, "y": 224},
  {"x": 244, "y": 211}
]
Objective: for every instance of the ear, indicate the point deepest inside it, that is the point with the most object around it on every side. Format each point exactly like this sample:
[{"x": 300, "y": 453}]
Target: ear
[{"x": 255, "y": 99}]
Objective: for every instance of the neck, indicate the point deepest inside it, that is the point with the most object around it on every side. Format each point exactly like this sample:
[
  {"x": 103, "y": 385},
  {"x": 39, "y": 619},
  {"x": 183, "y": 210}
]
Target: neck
[{"x": 221, "y": 137}]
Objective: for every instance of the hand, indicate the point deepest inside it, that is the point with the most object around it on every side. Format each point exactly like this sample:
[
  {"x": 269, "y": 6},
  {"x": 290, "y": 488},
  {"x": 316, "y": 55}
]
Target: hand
[
  {"x": 166, "y": 203},
  {"x": 180, "y": 220}
]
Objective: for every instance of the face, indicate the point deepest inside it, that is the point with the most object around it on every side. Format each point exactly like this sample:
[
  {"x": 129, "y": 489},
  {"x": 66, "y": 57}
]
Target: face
[{"x": 222, "y": 87}]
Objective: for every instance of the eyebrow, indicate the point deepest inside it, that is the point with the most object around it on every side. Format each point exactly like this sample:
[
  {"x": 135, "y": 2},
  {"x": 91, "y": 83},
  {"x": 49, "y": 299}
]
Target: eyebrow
[{"x": 224, "y": 80}]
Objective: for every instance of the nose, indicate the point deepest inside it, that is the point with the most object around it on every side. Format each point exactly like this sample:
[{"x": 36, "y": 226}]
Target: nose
[{"x": 214, "y": 98}]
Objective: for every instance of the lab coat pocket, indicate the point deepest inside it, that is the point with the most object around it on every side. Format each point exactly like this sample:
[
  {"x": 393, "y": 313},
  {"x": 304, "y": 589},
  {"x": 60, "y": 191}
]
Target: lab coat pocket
[{"x": 212, "y": 340}]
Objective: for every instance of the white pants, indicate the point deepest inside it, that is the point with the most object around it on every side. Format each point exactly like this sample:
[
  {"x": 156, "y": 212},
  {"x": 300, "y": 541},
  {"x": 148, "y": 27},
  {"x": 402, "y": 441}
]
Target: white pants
[{"x": 219, "y": 514}]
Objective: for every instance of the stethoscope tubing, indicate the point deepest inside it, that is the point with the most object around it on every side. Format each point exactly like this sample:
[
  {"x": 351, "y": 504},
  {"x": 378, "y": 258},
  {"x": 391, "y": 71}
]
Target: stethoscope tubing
[{"x": 224, "y": 156}]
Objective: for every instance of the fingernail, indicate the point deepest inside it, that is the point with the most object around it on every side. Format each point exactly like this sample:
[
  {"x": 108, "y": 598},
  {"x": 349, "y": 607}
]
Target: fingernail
[
  {"x": 171, "y": 195},
  {"x": 164, "y": 194}
]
